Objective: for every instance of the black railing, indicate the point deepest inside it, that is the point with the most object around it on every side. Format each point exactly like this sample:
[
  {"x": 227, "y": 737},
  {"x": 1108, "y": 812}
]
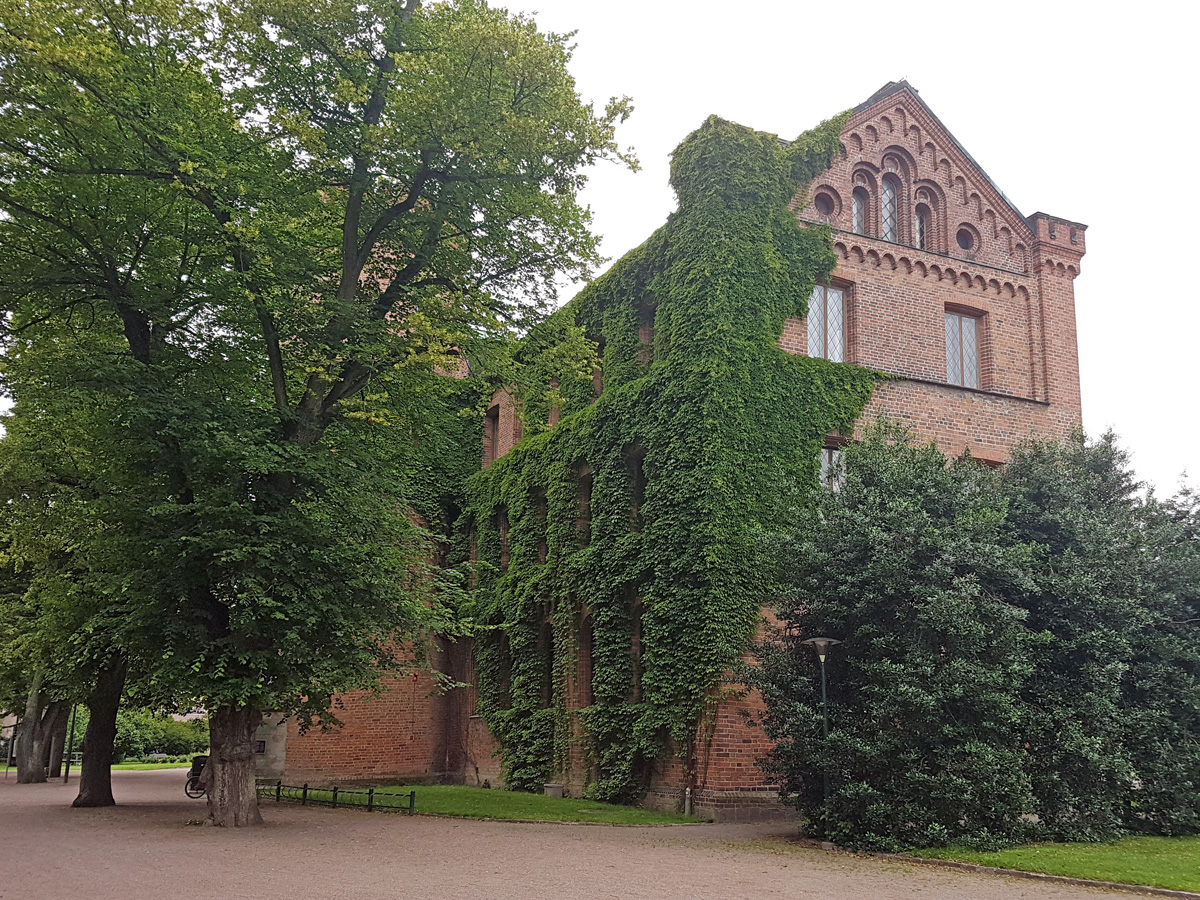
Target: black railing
[{"x": 369, "y": 799}]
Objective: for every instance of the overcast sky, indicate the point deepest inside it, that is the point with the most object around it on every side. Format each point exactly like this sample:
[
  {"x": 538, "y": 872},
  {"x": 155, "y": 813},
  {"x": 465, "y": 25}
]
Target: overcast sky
[{"x": 1080, "y": 110}]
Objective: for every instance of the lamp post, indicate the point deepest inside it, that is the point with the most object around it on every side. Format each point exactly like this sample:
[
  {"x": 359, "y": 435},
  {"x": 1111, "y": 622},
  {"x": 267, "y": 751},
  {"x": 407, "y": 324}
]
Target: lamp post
[{"x": 821, "y": 645}]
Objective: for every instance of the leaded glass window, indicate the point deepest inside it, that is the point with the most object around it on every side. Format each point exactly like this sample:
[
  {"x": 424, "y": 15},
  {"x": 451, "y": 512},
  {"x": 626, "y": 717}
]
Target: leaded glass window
[
  {"x": 826, "y": 323},
  {"x": 962, "y": 350},
  {"x": 859, "y": 208},
  {"x": 889, "y": 211},
  {"x": 831, "y": 468}
]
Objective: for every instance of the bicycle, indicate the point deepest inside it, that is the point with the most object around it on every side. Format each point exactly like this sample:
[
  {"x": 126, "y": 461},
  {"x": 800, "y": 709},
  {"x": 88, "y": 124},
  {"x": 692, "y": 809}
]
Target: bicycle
[{"x": 194, "y": 787}]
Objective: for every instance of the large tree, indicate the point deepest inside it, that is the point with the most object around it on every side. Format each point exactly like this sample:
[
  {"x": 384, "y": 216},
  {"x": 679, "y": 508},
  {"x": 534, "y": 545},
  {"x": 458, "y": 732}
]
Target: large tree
[{"x": 257, "y": 230}]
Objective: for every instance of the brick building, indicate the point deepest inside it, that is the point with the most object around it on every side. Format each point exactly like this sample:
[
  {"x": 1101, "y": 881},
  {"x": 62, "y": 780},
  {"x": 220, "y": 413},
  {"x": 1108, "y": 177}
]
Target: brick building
[{"x": 942, "y": 284}]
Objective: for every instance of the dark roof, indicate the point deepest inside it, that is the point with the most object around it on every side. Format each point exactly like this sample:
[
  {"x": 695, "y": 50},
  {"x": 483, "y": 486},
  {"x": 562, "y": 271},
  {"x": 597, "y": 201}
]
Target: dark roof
[{"x": 895, "y": 87}]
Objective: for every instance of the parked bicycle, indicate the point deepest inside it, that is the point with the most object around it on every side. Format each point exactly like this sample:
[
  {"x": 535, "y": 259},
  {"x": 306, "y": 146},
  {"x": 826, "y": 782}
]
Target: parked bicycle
[{"x": 194, "y": 787}]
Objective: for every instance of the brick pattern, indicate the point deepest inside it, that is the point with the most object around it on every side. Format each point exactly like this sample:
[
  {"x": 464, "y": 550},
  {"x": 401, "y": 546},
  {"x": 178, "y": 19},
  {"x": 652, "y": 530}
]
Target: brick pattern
[{"x": 391, "y": 735}]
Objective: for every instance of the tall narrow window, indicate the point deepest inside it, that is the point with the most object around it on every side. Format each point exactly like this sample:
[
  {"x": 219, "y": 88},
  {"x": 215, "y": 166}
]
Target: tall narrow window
[
  {"x": 831, "y": 469},
  {"x": 962, "y": 350},
  {"x": 826, "y": 323},
  {"x": 491, "y": 435},
  {"x": 859, "y": 211},
  {"x": 922, "y": 224},
  {"x": 889, "y": 210},
  {"x": 584, "y": 522}
]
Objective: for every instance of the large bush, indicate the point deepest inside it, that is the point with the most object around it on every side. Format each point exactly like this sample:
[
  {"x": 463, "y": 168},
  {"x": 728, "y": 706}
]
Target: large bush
[
  {"x": 1021, "y": 641},
  {"x": 909, "y": 566}
]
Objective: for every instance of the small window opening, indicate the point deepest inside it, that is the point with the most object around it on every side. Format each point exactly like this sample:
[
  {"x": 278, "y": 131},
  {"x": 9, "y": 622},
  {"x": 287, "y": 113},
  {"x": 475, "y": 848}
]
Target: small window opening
[
  {"x": 858, "y": 209},
  {"x": 502, "y": 528},
  {"x": 540, "y": 513},
  {"x": 635, "y": 463},
  {"x": 553, "y": 416},
  {"x": 646, "y": 310},
  {"x": 922, "y": 223},
  {"x": 598, "y": 369},
  {"x": 546, "y": 652},
  {"x": 965, "y": 239},
  {"x": 584, "y": 522},
  {"x": 831, "y": 468},
  {"x": 824, "y": 204},
  {"x": 635, "y": 649},
  {"x": 491, "y": 435},
  {"x": 587, "y": 662}
]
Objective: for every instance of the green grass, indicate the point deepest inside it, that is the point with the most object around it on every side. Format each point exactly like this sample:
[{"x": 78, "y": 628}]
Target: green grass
[
  {"x": 1161, "y": 862},
  {"x": 142, "y": 767},
  {"x": 480, "y": 803}
]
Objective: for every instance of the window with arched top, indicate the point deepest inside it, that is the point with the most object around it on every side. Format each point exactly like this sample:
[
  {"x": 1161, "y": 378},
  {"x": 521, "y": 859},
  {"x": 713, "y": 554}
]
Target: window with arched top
[
  {"x": 859, "y": 210},
  {"x": 889, "y": 209},
  {"x": 923, "y": 227}
]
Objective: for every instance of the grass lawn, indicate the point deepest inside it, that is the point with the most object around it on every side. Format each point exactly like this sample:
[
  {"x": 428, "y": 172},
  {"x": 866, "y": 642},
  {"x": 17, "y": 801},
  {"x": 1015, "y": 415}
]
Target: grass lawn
[
  {"x": 480, "y": 803},
  {"x": 142, "y": 767},
  {"x": 1161, "y": 862}
]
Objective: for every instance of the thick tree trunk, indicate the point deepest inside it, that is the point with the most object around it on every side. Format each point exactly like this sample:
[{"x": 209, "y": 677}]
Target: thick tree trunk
[
  {"x": 95, "y": 777},
  {"x": 229, "y": 776},
  {"x": 58, "y": 740}
]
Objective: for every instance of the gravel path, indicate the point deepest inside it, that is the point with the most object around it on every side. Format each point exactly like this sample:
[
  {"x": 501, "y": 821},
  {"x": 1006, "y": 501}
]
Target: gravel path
[{"x": 144, "y": 849}]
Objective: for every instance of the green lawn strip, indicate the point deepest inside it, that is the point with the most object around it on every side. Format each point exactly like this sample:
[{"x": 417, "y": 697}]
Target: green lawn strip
[
  {"x": 1160, "y": 862},
  {"x": 142, "y": 767},
  {"x": 480, "y": 803}
]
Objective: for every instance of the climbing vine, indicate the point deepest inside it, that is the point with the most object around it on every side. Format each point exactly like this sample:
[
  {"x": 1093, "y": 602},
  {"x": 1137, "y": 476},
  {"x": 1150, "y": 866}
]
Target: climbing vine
[{"x": 621, "y": 567}]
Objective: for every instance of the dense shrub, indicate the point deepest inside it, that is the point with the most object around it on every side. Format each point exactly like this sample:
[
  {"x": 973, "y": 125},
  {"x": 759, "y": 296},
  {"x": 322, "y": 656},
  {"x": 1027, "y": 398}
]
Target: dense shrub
[
  {"x": 1016, "y": 641},
  {"x": 908, "y": 565}
]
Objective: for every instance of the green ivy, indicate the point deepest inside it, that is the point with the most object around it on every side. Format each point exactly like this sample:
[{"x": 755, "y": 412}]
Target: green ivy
[{"x": 728, "y": 428}]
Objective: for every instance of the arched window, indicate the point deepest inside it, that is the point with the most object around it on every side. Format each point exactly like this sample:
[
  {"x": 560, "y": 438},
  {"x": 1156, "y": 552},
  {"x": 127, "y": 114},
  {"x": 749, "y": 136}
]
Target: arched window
[
  {"x": 859, "y": 209},
  {"x": 889, "y": 209},
  {"x": 923, "y": 227}
]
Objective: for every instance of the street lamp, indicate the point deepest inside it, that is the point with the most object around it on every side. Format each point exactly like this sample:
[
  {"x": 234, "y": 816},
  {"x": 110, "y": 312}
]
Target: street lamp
[{"x": 821, "y": 645}]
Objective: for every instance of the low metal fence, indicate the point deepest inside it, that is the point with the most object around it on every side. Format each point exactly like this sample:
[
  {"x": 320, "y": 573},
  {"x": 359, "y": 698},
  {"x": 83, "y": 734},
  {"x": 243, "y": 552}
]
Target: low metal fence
[{"x": 369, "y": 799}]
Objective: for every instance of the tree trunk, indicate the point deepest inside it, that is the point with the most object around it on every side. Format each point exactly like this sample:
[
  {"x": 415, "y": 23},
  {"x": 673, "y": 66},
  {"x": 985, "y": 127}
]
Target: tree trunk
[
  {"x": 229, "y": 776},
  {"x": 58, "y": 739},
  {"x": 33, "y": 737},
  {"x": 95, "y": 776}
]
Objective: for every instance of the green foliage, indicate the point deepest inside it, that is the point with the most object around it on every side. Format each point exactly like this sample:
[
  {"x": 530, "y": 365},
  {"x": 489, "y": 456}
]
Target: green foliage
[
  {"x": 627, "y": 539},
  {"x": 141, "y": 732},
  {"x": 909, "y": 565},
  {"x": 240, "y": 244},
  {"x": 1112, "y": 715},
  {"x": 1020, "y": 641}
]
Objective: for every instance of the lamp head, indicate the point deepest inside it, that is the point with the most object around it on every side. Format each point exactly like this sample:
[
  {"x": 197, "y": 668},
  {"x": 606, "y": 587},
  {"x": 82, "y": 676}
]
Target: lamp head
[{"x": 821, "y": 645}]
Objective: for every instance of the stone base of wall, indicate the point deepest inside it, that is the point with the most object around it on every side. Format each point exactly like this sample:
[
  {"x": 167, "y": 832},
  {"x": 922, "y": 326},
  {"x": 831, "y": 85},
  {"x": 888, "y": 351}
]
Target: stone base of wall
[{"x": 725, "y": 806}]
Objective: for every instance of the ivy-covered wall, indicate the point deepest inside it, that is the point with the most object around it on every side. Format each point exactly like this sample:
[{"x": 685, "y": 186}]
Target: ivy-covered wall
[{"x": 626, "y": 541}]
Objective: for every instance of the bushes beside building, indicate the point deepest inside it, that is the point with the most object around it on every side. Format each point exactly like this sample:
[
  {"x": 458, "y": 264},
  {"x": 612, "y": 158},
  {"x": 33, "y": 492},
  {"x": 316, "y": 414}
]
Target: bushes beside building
[{"x": 1019, "y": 655}]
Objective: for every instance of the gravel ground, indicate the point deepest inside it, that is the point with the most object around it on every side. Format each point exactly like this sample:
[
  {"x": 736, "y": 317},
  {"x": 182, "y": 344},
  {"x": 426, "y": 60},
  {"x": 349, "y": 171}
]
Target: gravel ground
[{"x": 144, "y": 848}]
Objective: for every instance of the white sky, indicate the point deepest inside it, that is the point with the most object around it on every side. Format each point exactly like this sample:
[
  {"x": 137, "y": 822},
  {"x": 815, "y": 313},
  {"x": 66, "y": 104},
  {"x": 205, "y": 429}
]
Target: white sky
[{"x": 1080, "y": 110}]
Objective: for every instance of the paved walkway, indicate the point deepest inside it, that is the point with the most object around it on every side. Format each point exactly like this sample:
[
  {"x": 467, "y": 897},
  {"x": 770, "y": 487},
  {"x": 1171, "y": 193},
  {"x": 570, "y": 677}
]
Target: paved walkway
[{"x": 145, "y": 849}]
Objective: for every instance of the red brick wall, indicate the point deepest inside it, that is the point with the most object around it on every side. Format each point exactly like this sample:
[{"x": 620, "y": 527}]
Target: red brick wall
[
  {"x": 395, "y": 734},
  {"x": 1017, "y": 279}
]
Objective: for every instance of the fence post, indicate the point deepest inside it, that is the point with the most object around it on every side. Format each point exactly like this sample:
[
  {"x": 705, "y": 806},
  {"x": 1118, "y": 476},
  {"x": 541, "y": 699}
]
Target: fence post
[
  {"x": 370, "y": 799},
  {"x": 335, "y": 790},
  {"x": 412, "y": 801},
  {"x": 304, "y": 795},
  {"x": 278, "y": 790}
]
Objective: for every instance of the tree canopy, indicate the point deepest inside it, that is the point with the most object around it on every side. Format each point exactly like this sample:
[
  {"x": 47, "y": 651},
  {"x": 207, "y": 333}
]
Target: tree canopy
[{"x": 242, "y": 244}]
